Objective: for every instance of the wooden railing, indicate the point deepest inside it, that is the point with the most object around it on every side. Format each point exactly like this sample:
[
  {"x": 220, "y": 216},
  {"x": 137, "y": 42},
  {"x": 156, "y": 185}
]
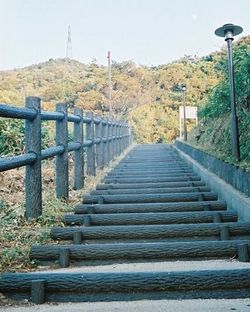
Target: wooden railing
[{"x": 103, "y": 140}]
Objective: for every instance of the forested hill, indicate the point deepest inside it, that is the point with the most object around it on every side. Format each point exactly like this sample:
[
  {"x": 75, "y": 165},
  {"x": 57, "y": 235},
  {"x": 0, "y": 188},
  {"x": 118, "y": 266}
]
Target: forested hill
[{"x": 145, "y": 94}]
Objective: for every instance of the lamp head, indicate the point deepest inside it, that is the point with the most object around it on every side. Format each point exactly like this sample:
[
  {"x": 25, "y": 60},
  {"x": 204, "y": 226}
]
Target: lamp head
[{"x": 228, "y": 29}]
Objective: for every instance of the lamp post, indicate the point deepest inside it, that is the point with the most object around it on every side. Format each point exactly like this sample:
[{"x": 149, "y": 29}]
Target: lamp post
[
  {"x": 228, "y": 31},
  {"x": 183, "y": 88}
]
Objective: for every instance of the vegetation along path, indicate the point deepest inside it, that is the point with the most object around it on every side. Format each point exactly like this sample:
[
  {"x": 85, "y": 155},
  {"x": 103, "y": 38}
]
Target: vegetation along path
[{"x": 150, "y": 230}]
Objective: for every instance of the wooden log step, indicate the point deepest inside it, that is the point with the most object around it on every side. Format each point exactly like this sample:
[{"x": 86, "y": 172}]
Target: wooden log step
[
  {"x": 130, "y": 286},
  {"x": 150, "y": 185},
  {"x": 146, "y": 175},
  {"x": 150, "y": 218},
  {"x": 153, "y": 180},
  {"x": 149, "y": 198},
  {"x": 151, "y": 207},
  {"x": 140, "y": 232},
  {"x": 141, "y": 251},
  {"x": 148, "y": 172},
  {"x": 150, "y": 166},
  {"x": 152, "y": 190},
  {"x": 167, "y": 158}
]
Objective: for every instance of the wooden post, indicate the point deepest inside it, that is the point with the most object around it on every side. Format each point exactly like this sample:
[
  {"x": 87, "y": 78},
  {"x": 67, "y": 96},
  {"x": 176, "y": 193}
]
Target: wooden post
[
  {"x": 77, "y": 238},
  {"x": 216, "y": 217},
  {"x": 105, "y": 145},
  {"x": 78, "y": 154},
  {"x": 62, "y": 174},
  {"x": 112, "y": 140},
  {"x": 90, "y": 134},
  {"x": 102, "y": 144},
  {"x": 33, "y": 173},
  {"x": 224, "y": 233},
  {"x": 38, "y": 291},
  {"x": 115, "y": 138},
  {"x": 120, "y": 140},
  {"x": 243, "y": 253},
  {"x": 98, "y": 136},
  {"x": 109, "y": 140},
  {"x": 64, "y": 257},
  {"x": 123, "y": 137}
]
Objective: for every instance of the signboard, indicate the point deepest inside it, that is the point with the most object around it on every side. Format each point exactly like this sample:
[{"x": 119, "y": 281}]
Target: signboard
[{"x": 191, "y": 113}]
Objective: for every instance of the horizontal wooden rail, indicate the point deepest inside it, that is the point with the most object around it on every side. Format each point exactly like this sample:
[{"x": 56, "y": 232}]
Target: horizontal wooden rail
[{"x": 99, "y": 145}]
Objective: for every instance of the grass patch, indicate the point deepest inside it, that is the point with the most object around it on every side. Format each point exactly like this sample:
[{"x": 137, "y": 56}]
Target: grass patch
[{"x": 17, "y": 234}]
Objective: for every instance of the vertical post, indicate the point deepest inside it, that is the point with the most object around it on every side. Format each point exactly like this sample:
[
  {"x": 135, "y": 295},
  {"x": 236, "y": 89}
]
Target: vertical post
[
  {"x": 90, "y": 134},
  {"x": 102, "y": 144},
  {"x": 120, "y": 144},
  {"x": 105, "y": 144},
  {"x": 112, "y": 140},
  {"x": 122, "y": 137},
  {"x": 180, "y": 120},
  {"x": 125, "y": 138},
  {"x": 78, "y": 154},
  {"x": 234, "y": 117},
  {"x": 62, "y": 172},
  {"x": 109, "y": 140},
  {"x": 98, "y": 128},
  {"x": 110, "y": 85},
  {"x": 116, "y": 138},
  {"x": 33, "y": 173},
  {"x": 184, "y": 113},
  {"x": 38, "y": 291}
]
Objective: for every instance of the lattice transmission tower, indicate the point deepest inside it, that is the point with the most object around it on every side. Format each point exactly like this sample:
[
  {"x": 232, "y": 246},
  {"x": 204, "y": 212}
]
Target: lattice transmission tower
[{"x": 69, "y": 45}]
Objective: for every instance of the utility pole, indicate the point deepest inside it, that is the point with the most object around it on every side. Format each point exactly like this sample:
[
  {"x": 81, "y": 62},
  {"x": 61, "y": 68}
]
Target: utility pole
[
  {"x": 110, "y": 84},
  {"x": 69, "y": 45}
]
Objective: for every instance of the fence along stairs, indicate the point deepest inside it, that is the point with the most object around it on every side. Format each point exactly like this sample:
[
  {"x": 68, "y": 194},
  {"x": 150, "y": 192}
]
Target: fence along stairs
[{"x": 151, "y": 208}]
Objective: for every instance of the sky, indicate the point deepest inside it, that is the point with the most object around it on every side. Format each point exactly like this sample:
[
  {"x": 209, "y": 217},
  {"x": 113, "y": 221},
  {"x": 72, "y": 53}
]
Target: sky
[{"x": 148, "y": 32}]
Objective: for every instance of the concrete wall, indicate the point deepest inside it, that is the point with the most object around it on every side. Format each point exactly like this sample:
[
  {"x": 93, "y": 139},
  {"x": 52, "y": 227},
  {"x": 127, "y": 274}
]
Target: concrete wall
[{"x": 236, "y": 200}]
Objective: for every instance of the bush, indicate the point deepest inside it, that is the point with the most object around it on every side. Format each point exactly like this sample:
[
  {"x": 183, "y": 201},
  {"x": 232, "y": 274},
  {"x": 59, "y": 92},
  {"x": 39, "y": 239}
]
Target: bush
[{"x": 12, "y": 137}]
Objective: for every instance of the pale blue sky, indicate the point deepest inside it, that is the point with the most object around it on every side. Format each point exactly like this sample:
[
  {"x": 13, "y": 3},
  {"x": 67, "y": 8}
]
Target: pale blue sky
[{"x": 149, "y": 32}]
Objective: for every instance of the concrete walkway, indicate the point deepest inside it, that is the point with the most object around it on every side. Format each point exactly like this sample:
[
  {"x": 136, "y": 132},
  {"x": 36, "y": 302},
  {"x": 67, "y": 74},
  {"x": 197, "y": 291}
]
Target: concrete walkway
[{"x": 211, "y": 305}]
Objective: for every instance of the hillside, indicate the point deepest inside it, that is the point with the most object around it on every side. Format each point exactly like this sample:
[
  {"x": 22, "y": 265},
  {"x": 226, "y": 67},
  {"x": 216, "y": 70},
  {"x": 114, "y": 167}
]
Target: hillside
[
  {"x": 213, "y": 132},
  {"x": 142, "y": 94},
  {"x": 149, "y": 88}
]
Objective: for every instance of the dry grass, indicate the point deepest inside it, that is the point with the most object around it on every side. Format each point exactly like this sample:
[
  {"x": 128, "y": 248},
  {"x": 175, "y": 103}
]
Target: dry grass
[{"x": 17, "y": 234}]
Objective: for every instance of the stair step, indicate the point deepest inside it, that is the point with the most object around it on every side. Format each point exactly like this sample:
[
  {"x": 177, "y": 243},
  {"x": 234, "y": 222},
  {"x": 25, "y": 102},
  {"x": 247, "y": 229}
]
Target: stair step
[
  {"x": 174, "y": 178},
  {"x": 152, "y": 190},
  {"x": 150, "y": 198},
  {"x": 150, "y": 218},
  {"x": 141, "y": 251},
  {"x": 128, "y": 286},
  {"x": 151, "y": 207},
  {"x": 149, "y": 185},
  {"x": 181, "y": 232}
]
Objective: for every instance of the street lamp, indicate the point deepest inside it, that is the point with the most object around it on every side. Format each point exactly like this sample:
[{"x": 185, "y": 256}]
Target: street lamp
[
  {"x": 228, "y": 31},
  {"x": 183, "y": 88}
]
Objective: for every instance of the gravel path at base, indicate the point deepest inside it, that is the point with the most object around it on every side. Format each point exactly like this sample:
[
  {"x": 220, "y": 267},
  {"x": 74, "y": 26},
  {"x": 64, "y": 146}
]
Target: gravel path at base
[{"x": 240, "y": 305}]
